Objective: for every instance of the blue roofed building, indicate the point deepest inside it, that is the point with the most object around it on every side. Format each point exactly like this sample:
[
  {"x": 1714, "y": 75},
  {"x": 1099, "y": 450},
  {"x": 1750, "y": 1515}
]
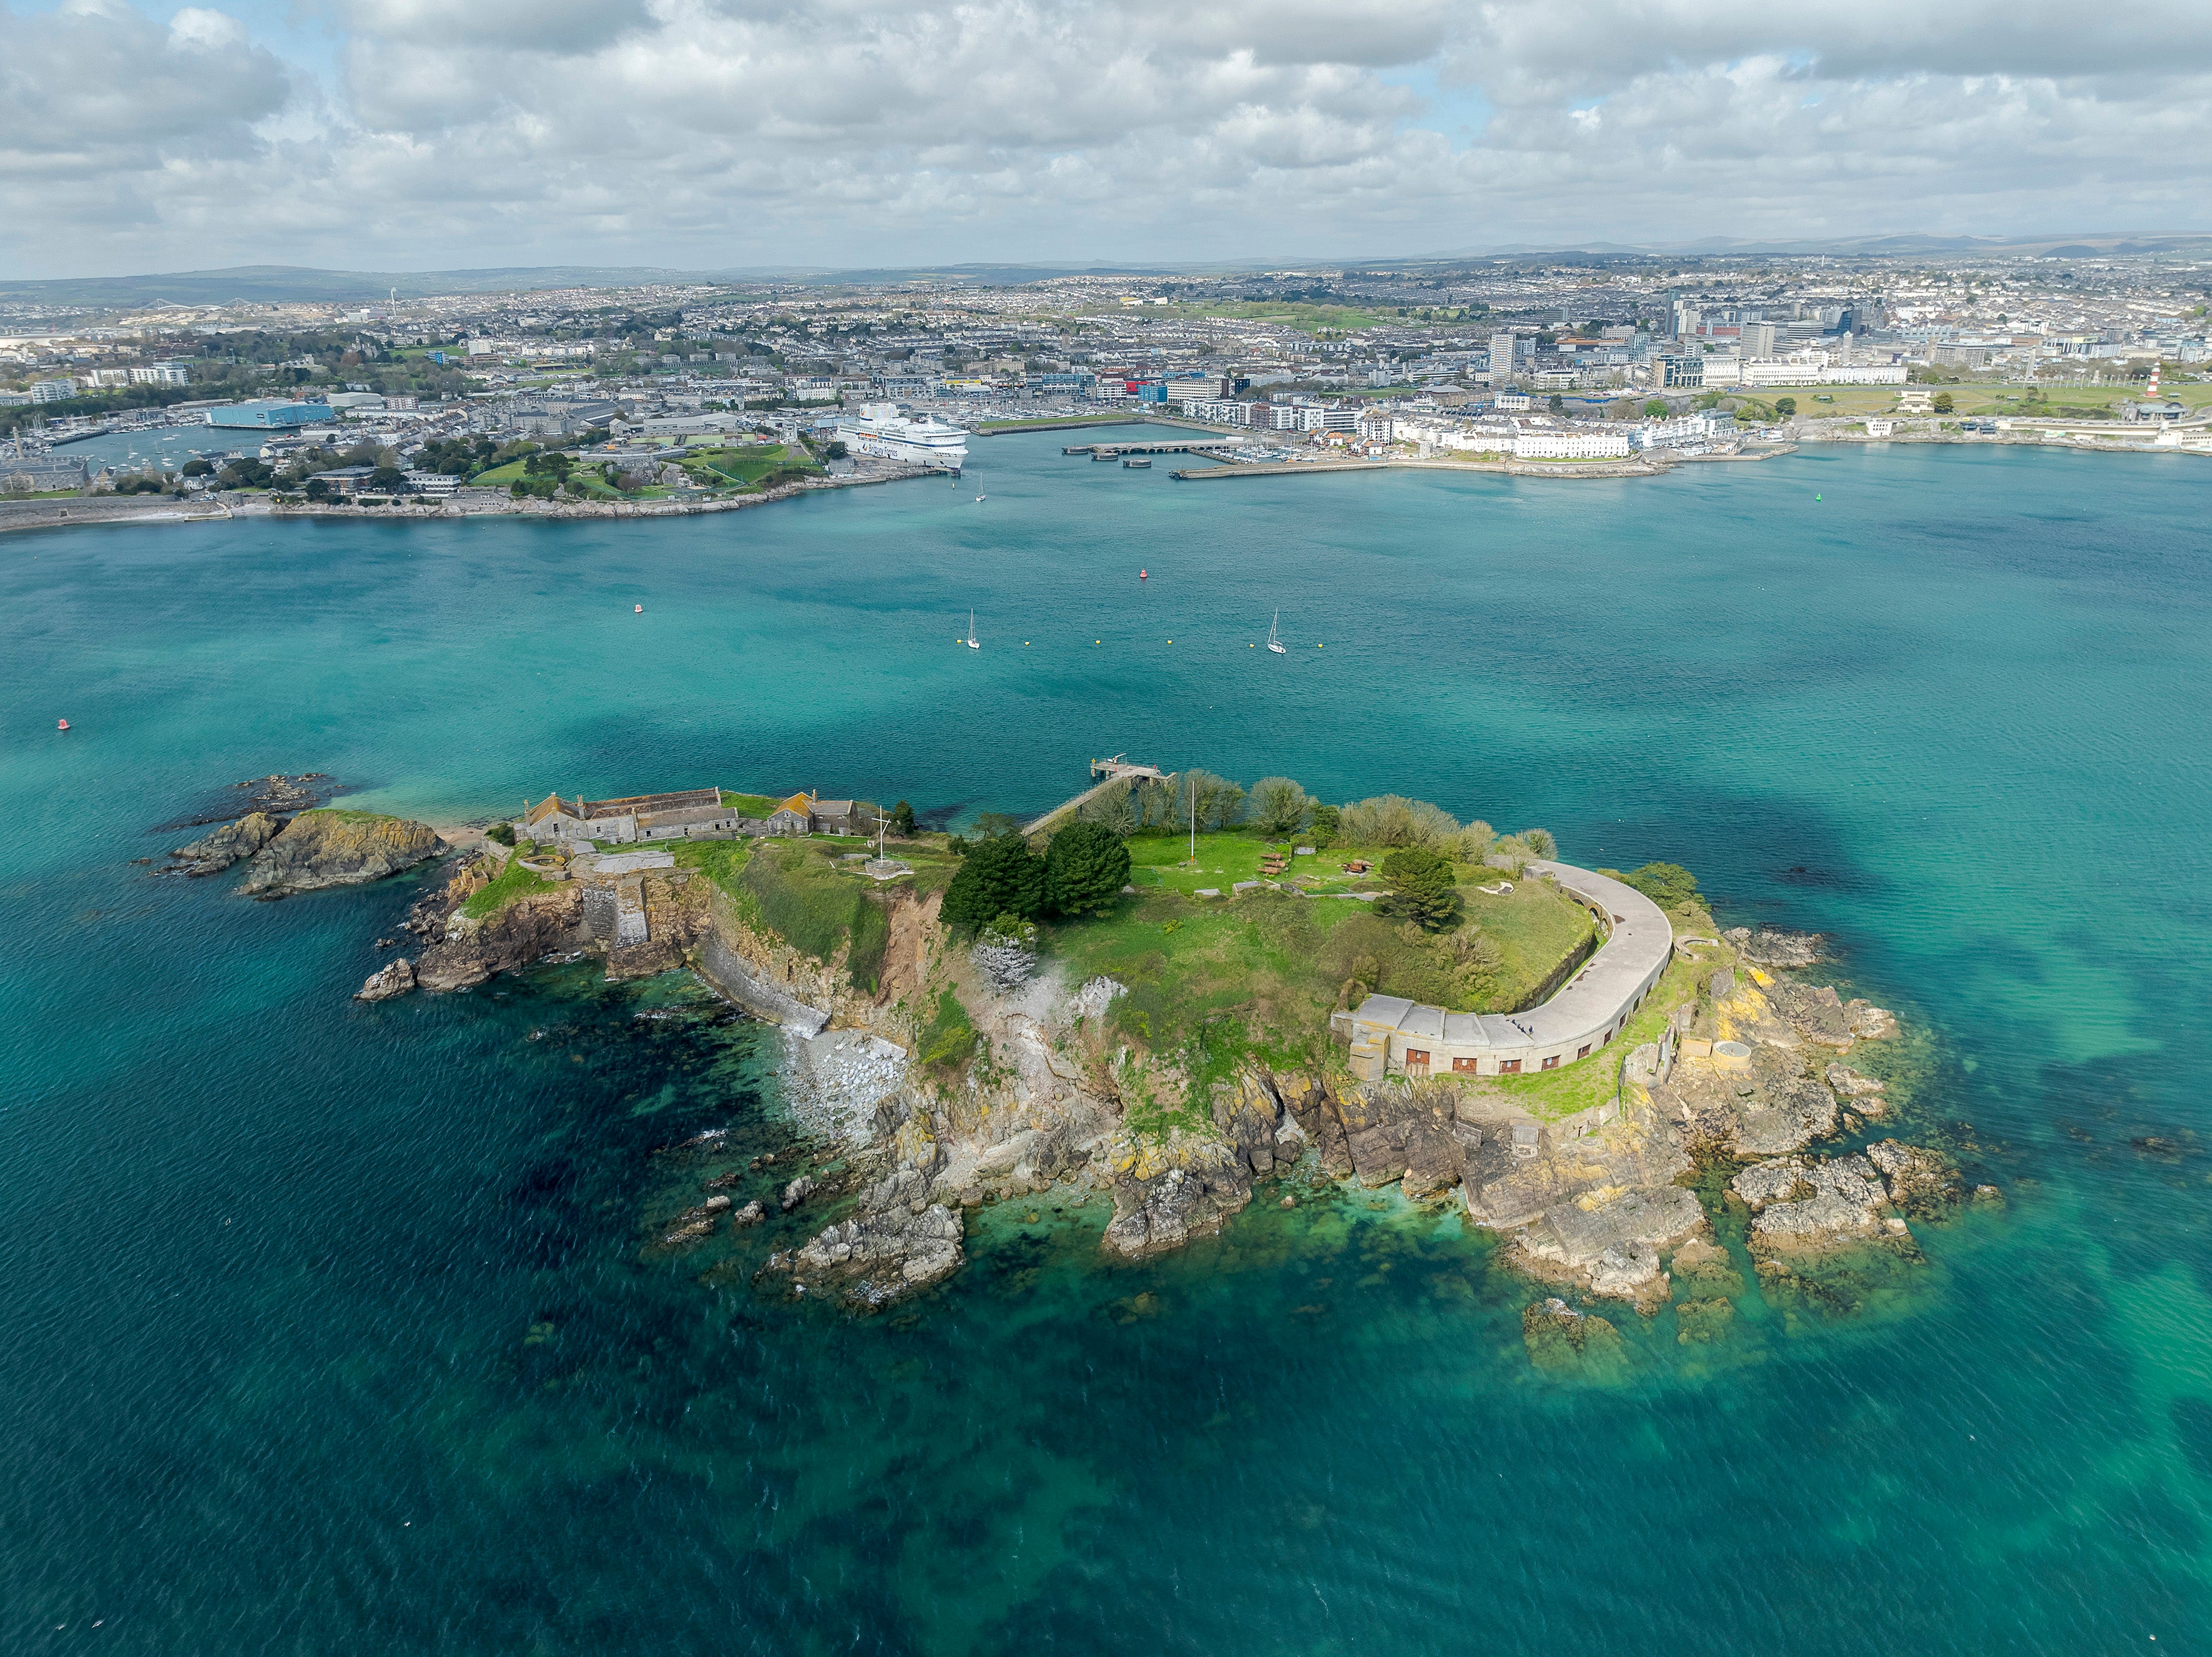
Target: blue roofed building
[{"x": 269, "y": 414}]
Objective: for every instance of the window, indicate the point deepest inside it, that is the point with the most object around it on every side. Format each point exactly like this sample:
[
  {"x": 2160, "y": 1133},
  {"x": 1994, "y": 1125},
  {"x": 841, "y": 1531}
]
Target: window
[
  {"x": 1582, "y": 1052},
  {"x": 1508, "y": 1067},
  {"x": 1553, "y": 1063},
  {"x": 1464, "y": 1066},
  {"x": 1416, "y": 1059}
]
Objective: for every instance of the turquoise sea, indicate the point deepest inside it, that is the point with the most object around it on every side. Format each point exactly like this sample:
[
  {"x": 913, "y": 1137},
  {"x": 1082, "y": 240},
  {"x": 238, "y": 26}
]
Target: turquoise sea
[{"x": 327, "y": 1328}]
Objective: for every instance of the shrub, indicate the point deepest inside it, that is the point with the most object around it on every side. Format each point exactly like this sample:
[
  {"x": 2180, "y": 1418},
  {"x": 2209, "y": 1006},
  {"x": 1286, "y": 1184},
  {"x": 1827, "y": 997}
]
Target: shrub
[
  {"x": 1665, "y": 884},
  {"x": 1394, "y": 820},
  {"x": 1328, "y": 823},
  {"x": 1786, "y": 406},
  {"x": 1473, "y": 843},
  {"x": 501, "y": 833},
  {"x": 1278, "y": 806},
  {"x": 1540, "y": 842},
  {"x": 1086, "y": 867},
  {"x": 999, "y": 876},
  {"x": 902, "y": 820},
  {"x": 949, "y": 1037},
  {"x": 1421, "y": 888}
]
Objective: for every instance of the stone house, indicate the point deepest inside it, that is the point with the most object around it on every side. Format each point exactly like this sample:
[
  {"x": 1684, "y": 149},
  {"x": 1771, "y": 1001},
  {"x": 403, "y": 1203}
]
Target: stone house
[{"x": 691, "y": 814}]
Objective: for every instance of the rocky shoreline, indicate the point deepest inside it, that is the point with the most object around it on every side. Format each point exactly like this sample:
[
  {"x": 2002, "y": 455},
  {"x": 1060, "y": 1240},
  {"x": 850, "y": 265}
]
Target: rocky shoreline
[{"x": 1759, "y": 1128}]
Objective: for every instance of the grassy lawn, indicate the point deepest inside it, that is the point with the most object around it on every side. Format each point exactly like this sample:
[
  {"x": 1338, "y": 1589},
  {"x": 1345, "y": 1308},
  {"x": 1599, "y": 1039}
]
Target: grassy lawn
[
  {"x": 721, "y": 861},
  {"x": 1055, "y": 420},
  {"x": 1264, "y": 971},
  {"x": 1552, "y": 1094},
  {"x": 513, "y": 882},
  {"x": 744, "y": 468},
  {"x": 511, "y": 472},
  {"x": 753, "y": 805}
]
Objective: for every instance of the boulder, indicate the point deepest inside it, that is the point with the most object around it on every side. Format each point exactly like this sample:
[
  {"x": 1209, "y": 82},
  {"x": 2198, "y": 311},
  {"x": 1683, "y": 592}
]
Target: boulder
[
  {"x": 1864, "y": 1092},
  {"x": 1166, "y": 1197},
  {"x": 1772, "y": 948},
  {"x": 751, "y": 1214},
  {"x": 1578, "y": 1234},
  {"x": 798, "y": 1192},
  {"x": 211, "y": 854},
  {"x": 1815, "y": 1013},
  {"x": 395, "y": 978},
  {"x": 1868, "y": 1022},
  {"x": 1433, "y": 1160},
  {"x": 1628, "y": 1272},
  {"x": 1797, "y": 1111},
  {"x": 1378, "y": 1153},
  {"x": 338, "y": 848},
  {"x": 883, "y": 1254}
]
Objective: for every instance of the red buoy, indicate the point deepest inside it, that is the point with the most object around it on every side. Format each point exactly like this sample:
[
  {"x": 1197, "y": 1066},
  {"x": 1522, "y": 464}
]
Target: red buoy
[
  {"x": 1143, "y": 575},
  {"x": 62, "y": 725}
]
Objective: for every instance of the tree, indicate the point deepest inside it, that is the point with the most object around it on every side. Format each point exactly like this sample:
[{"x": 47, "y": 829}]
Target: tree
[
  {"x": 1558, "y": 403},
  {"x": 992, "y": 824},
  {"x": 1086, "y": 867},
  {"x": 1656, "y": 409},
  {"x": 1421, "y": 888},
  {"x": 902, "y": 820},
  {"x": 1665, "y": 884},
  {"x": 999, "y": 876},
  {"x": 1278, "y": 806},
  {"x": 1786, "y": 406},
  {"x": 1328, "y": 822},
  {"x": 1941, "y": 403},
  {"x": 1540, "y": 842}
]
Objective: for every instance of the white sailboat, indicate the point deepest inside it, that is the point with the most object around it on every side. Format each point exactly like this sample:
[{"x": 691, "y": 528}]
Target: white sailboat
[
  {"x": 1273, "y": 643},
  {"x": 972, "y": 644}
]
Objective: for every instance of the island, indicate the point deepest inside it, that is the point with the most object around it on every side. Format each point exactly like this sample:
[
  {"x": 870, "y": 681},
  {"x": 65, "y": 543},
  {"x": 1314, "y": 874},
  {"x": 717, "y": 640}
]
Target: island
[{"x": 1178, "y": 994}]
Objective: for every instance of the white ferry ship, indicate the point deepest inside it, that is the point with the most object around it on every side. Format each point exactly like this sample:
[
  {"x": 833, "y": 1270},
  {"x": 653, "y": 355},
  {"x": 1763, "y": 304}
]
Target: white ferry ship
[{"x": 880, "y": 429}]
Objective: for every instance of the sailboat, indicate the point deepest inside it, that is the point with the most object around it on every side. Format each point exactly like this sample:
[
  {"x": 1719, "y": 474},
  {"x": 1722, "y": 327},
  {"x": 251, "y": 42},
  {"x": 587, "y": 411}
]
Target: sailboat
[
  {"x": 1273, "y": 643},
  {"x": 972, "y": 644}
]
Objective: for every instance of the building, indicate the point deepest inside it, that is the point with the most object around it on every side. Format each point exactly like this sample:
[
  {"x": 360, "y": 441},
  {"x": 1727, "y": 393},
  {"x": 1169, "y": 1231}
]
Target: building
[
  {"x": 43, "y": 474},
  {"x": 267, "y": 415},
  {"x": 1564, "y": 444},
  {"x": 1757, "y": 339},
  {"x": 161, "y": 373},
  {"x": 435, "y": 485},
  {"x": 1681, "y": 371},
  {"x": 807, "y": 814},
  {"x": 52, "y": 391},
  {"x": 690, "y": 814}
]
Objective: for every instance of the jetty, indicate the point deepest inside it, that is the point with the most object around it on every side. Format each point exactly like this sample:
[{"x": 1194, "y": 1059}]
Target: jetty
[
  {"x": 1154, "y": 446},
  {"x": 1110, "y": 772},
  {"x": 1279, "y": 468}
]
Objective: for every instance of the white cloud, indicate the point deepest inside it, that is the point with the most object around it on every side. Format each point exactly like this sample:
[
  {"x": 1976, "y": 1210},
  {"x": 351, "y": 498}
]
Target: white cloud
[{"x": 716, "y": 132}]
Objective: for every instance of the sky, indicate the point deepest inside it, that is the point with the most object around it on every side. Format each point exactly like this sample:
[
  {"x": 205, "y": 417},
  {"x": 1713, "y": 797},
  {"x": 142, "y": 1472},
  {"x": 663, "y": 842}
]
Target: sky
[{"x": 404, "y": 134}]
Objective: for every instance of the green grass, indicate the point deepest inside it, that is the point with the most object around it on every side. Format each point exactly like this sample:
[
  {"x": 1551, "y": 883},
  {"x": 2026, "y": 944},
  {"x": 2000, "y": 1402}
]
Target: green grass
[
  {"x": 1267, "y": 969},
  {"x": 722, "y": 861},
  {"x": 1553, "y": 1094},
  {"x": 949, "y": 1038},
  {"x": 753, "y": 805},
  {"x": 1307, "y": 318},
  {"x": 513, "y": 882},
  {"x": 745, "y": 468},
  {"x": 1060, "y": 420},
  {"x": 511, "y": 472},
  {"x": 814, "y": 905}
]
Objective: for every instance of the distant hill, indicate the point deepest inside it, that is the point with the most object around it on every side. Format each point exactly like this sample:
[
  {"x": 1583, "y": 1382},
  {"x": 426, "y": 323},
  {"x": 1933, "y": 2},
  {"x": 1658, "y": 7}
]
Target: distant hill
[{"x": 276, "y": 283}]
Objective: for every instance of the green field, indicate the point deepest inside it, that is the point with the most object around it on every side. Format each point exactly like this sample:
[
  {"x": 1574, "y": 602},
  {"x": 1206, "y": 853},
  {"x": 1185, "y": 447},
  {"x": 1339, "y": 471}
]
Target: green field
[
  {"x": 753, "y": 805},
  {"x": 1266, "y": 969},
  {"x": 744, "y": 468},
  {"x": 513, "y": 882},
  {"x": 1307, "y": 319}
]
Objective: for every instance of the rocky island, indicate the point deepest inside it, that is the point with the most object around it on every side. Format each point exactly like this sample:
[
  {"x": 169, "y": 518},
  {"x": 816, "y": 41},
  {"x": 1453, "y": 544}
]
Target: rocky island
[{"x": 1101, "y": 1006}]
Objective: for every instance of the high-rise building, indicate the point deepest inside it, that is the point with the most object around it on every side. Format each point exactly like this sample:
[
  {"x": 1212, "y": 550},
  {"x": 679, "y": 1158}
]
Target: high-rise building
[{"x": 1757, "y": 339}]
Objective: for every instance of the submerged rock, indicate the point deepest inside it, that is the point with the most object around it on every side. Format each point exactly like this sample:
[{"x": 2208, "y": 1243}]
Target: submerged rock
[
  {"x": 1868, "y": 1022},
  {"x": 798, "y": 1192},
  {"x": 1864, "y": 1092},
  {"x": 338, "y": 848},
  {"x": 1562, "y": 1340},
  {"x": 395, "y": 978},
  {"x": 211, "y": 854},
  {"x": 1700, "y": 1321}
]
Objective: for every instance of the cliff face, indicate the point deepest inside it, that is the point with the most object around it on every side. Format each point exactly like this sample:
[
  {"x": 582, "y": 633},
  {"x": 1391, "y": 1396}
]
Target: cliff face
[{"x": 338, "y": 848}]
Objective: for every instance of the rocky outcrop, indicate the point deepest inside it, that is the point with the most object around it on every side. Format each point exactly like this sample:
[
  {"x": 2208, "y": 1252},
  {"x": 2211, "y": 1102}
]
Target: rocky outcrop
[
  {"x": 1609, "y": 1241},
  {"x": 898, "y": 1242},
  {"x": 1798, "y": 1111},
  {"x": 1815, "y": 1013},
  {"x": 1923, "y": 1184},
  {"x": 1804, "y": 1202},
  {"x": 1166, "y": 1194},
  {"x": 338, "y": 848},
  {"x": 1565, "y": 1341},
  {"x": 1862, "y": 1092},
  {"x": 211, "y": 854},
  {"x": 797, "y": 1192},
  {"x": 521, "y": 934},
  {"x": 1772, "y": 948},
  {"x": 1869, "y": 1023},
  {"x": 395, "y": 978}
]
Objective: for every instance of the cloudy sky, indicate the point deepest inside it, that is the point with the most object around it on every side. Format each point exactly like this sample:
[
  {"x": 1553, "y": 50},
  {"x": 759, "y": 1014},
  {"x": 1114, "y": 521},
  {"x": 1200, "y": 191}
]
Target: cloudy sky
[{"x": 138, "y": 136}]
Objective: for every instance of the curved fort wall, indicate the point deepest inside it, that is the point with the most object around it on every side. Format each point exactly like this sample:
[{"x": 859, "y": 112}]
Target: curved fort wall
[{"x": 1391, "y": 1035}]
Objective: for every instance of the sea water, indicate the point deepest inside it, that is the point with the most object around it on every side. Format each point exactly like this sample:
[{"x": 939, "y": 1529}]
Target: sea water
[{"x": 332, "y": 1327}]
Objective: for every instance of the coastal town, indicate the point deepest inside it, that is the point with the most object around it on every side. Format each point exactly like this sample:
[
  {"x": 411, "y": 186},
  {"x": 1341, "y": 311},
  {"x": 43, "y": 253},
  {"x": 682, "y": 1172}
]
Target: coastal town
[{"x": 684, "y": 395}]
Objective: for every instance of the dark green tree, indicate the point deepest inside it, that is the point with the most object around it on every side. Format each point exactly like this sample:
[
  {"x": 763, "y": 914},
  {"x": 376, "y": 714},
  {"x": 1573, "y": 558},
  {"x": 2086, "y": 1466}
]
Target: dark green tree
[
  {"x": 1328, "y": 823},
  {"x": 999, "y": 876},
  {"x": 1786, "y": 406},
  {"x": 1656, "y": 409},
  {"x": 1421, "y": 888},
  {"x": 1665, "y": 884},
  {"x": 902, "y": 820},
  {"x": 1086, "y": 867}
]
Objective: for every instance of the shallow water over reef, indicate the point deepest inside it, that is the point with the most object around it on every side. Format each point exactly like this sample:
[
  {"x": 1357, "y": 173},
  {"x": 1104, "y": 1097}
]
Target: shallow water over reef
[{"x": 333, "y": 1329}]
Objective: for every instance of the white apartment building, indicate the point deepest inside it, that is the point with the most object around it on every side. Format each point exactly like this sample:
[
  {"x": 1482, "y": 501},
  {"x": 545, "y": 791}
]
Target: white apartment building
[{"x": 1561, "y": 444}]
